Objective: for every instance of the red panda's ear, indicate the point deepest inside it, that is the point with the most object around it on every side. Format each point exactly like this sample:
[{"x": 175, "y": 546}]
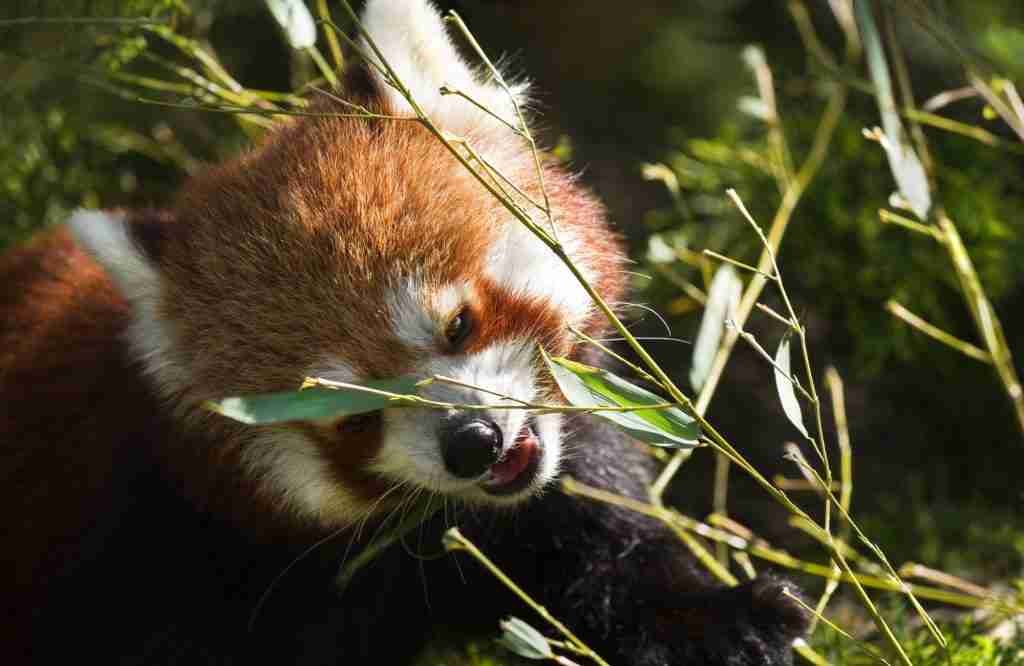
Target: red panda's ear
[
  {"x": 127, "y": 244},
  {"x": 412, "y": 38}
]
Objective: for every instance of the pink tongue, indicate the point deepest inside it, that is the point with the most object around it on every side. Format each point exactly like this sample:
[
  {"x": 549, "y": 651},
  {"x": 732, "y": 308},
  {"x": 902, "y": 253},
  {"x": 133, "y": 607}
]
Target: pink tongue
[{"x": 516, "y": 460}]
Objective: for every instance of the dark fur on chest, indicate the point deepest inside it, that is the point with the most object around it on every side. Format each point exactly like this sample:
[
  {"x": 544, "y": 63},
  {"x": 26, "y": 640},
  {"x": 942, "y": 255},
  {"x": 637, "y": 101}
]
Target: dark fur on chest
[{"x": 172, "y": 585}]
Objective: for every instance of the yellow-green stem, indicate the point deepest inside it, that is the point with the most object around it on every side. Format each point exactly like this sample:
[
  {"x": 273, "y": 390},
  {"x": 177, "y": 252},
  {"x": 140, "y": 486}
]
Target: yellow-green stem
[
  {"x": 936, "y": 333},
  {"x": 454, "y": 540},
  {"x": 797, "y": 186},
  {"x": 781, "y": 558},
  {"x": 989, "y": 327},
  {"x": 332, "y": 38}
]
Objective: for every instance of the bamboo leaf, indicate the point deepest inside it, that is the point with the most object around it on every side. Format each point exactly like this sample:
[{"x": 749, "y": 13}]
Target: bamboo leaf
[
  {"x": 314, "y": 403},
  {"x": 910, "y": 176},
  {"x": 521, "y": 638},
  {"x": 586, "y": 386},
  {"x": 911, "y": 179},
  {"x": 784, "y": 386},
  {"x": 723, "y": 297},
  {"x": 294, "y": 18}
]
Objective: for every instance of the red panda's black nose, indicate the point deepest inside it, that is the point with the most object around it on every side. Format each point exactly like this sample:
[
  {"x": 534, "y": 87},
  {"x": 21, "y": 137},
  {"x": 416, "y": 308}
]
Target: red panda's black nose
[{"x": 469, "y": 445}]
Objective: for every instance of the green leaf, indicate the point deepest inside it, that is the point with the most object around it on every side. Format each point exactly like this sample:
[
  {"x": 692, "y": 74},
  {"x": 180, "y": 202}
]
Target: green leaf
[
  {"x": 313, "y": 404},
  {"x": 723, "y": 297},
  {"x": 906, "y": 167},
  {"x": 519, "y": 637},
  {"x": 294, "y": 18},
  {"x": 586, "y": 386},
  {"x": 783, "y": 384}
]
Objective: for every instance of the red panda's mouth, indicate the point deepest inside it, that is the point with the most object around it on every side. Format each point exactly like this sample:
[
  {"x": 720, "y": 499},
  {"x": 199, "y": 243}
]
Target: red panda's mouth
[{"x": 518, "y": 467}]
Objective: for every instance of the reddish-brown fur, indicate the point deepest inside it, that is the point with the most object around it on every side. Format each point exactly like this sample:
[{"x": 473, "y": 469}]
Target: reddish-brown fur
[
  {"x": 349, "y": 449},
  {"x": 327, "y": 203},
  {"x": 144, "y": 529},
  {"x": 332, "y": 217},
  {"x": 63, "y": 370}
]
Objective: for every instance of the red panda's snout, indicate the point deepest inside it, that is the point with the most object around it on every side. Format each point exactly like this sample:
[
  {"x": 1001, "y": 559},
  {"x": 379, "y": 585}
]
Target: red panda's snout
[
  {"x": 480, "y": 450},
  {"x": 469, "y": 445}
]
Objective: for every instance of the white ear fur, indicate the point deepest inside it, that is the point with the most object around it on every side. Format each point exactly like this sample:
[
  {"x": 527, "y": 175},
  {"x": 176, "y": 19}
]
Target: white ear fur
[
  {"x": 105, "y": 236},
  {"x": 412, "y": 38}
]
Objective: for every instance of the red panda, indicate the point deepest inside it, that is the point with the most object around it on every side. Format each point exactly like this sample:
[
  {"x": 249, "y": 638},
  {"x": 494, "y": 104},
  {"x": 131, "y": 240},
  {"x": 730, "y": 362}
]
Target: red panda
[{"x": 142, "y": 527}]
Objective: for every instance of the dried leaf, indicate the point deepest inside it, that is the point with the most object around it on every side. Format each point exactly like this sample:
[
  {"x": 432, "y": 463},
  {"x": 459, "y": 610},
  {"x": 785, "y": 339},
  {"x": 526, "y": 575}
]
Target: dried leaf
[
  {"x": 723, "y": 298},
  {"x": 787, "y": 395},
  {"x": 904, "y": 163}
]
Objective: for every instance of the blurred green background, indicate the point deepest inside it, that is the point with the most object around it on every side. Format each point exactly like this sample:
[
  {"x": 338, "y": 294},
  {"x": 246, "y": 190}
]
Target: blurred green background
[{"x": 938, "y": 454}]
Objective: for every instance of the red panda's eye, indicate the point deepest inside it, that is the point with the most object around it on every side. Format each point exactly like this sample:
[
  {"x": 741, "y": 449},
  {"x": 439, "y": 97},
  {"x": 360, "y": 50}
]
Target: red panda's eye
[{"x": 459, "y": 328}]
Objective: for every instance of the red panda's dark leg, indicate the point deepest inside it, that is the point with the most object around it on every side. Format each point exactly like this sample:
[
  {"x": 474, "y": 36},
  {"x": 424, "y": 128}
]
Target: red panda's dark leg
[{"x": 624, "y": 581}]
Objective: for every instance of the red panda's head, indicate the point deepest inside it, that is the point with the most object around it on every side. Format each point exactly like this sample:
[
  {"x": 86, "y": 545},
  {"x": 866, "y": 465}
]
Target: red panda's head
[{"x": 353, "y": 249}]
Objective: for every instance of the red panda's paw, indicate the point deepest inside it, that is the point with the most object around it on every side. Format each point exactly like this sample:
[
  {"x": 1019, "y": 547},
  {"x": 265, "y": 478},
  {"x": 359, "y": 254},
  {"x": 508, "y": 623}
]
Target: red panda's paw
[{"x": 753, "y": 624}]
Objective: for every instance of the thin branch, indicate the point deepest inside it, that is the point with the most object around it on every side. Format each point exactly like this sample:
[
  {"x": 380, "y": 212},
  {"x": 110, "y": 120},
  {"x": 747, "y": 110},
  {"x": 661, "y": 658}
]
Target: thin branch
[
  {"x": 454, "y": 540},
  {"x": 979, "y": 134},
  {"x": 607, "y": 350},
  {"x": 936, "y": 333},
  {"x": 988, "y": 324},
  {"x": 781, "y": 558},
  {"x": 795, "y": 327},
  {"x": 738, "y": 264},
  {"x": 889, "y": 217},
  {"x": 816, "y": 612},
  {"x": 409, "y": 400},
  {"x": 524, "y": 128},
  {"x": 332, "y": 38},
  {"x": 783, "y": 215}
]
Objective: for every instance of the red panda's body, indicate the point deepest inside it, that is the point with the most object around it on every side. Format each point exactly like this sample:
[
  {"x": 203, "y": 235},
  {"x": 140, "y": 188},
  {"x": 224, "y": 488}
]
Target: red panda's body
[
  {"x": 352, "y": 249},
  {"x": 52, "y": 293}
]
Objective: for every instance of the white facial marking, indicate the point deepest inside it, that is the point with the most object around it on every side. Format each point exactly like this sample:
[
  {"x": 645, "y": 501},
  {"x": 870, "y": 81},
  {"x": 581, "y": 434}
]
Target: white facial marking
[
  {"x": 411, "y": 448},
  {"x": 521, "y": 263},
  {"x": 288, "y": 463},
  {"x": 291, "y": 466},
  {"x": 412, "y": 38},
  {"x": 418, "y": 313},
  {"x": 105, "y": 236}
]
